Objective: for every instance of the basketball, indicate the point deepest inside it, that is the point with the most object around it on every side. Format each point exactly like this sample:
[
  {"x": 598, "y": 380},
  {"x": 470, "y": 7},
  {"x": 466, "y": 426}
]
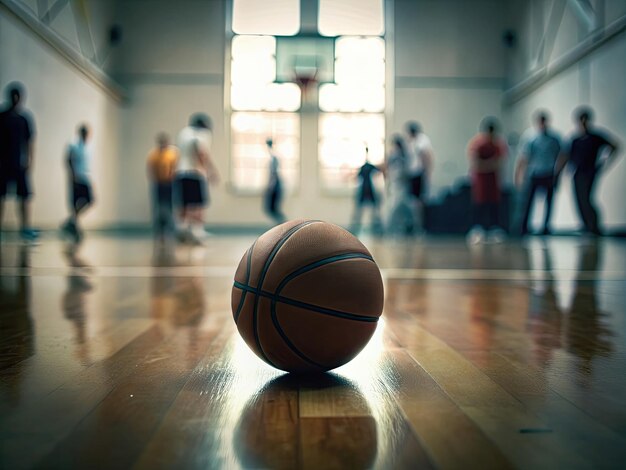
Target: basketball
[{"x": 307, "y": 296}]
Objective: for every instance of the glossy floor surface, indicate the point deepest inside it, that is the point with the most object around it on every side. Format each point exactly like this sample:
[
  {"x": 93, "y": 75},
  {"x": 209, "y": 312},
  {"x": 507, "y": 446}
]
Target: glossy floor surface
[{"x": 119, "y": 354}]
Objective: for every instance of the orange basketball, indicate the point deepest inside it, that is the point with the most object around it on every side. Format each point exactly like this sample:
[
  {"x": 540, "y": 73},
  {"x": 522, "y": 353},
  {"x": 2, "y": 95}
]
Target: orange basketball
[{"x": 307, "y": 296}]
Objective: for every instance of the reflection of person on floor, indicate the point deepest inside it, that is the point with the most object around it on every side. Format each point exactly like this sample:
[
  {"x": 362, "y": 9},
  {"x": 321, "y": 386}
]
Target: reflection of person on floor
[
  {"x": 16, "y": 326},
  {"x": 366, "y": 196},
  {"x": 274, "y": 192},
  {"x": 396, "y": 182},
  {"x": 545, "y": 318},
  {"x": 161, "y": 166},
  {"x": 74, "y": 301},
  {"x": 588, "y": 335},
  {"x": 78, "y": 161},
  {"x": 538, "y": 168},
  {"x": 588, "y": 158},
  {"x": 486, "y": 152}
]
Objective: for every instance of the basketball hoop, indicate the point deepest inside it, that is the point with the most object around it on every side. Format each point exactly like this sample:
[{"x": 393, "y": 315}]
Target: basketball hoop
[{"x": 306, "y": 79}]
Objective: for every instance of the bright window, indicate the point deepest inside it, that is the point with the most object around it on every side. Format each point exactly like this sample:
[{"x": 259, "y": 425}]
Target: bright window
[
  {"x": 262, "y": 109},
  {"x": 276, "y": 17},
  {"x": 250, "y": 157},
  {"x": 343, "y": 139},
  {"x": 253, "y": 71},
  {"x": 359, "y": 88},
  {"x": 351, "y": 17}
]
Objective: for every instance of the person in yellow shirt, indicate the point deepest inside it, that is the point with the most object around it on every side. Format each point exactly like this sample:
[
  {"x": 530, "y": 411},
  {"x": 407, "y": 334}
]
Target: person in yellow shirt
[{"x": 161, "y": 166}]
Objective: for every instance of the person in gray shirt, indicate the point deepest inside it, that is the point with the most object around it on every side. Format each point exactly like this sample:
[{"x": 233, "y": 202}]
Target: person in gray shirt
[{"x": 538, "y": 168}]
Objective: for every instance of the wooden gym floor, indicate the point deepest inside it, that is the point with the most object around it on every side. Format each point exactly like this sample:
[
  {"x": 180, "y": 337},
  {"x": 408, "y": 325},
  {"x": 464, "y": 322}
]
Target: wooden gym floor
[{"x": 119, "y": 355}]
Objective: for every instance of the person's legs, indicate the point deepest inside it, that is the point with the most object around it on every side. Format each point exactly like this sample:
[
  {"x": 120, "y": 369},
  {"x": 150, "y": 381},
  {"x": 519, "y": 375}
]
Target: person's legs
[
  {"x": 583, "y": 184},
  {"x": 416, "y": 202},
  {"x": 82, "y": 201},
  {"x": 275, "y": 203},
  {"x": 549, "y": 188},
  {"x": 593, "y": 210},
  {"x": 493, "y": 215},
  {"x": 24, "y": 214},
  {"x": 356, "y": 216},
  {"x": 167, "y": 206},
  {"x": 199, "y": 200},
  {"x": 161, "y": 195},
  {"x": 23, "y": 193},
  {"x": 528, "y": 204},
  {"x": 377, "y": 222}
]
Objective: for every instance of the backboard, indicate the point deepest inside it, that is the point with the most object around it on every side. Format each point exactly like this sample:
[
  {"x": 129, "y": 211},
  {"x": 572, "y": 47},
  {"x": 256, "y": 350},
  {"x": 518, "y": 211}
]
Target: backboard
[{"x": 309, "y": 56}]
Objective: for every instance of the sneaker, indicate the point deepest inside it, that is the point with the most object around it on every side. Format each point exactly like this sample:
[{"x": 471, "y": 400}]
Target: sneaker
[
  {"x": 29, "y": 235},
  {"x": 497, "y": 236},
  {"x": 476, "y": 235}
]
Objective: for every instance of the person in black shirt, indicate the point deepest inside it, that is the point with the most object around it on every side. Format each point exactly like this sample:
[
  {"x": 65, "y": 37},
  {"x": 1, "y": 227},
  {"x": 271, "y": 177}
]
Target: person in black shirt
[
  {"x": 587, "y": 157},
  {"x": 16, "y": 156},
  {"x": 366, "y": 195}
]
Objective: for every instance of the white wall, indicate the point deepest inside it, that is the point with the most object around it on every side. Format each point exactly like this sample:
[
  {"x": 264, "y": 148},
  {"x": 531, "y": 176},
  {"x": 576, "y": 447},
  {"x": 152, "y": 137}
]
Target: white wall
[
  {"x": 597, "y": 80},
  {"x": 449, "y": 74},
  {"x": 59, "y": 97}
]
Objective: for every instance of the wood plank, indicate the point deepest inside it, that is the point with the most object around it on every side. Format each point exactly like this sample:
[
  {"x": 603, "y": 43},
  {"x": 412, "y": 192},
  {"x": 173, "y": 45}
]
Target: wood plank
[
  {"x": 198, "y": 430},
  {"x": 118, "y": 428},
  {"x": 525, "y": 438},
  {"x": 449, "y": 437},
  {"x": 29, "y": 434},
  {"x": 331, "y": 396}
]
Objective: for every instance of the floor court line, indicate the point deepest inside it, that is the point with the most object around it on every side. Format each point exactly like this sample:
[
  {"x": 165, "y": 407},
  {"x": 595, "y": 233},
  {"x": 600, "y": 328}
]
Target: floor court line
[{"x": 394, "y": 274}]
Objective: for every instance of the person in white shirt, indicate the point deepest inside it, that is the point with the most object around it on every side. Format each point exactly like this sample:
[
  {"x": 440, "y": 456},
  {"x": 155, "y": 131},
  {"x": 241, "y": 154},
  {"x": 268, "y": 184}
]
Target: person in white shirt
[
  {"x": 194, "y": 168},
  {"x": 419, "y": 166},
  {"x": 79, "y": 161}
]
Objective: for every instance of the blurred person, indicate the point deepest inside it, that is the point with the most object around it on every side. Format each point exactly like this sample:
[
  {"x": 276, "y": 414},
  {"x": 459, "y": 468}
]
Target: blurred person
[
  {"x": 419, "y": 165},
  {"x": 397, "y": 186},
  {"x": 194, "y": 170},
  {"x": 274, "y": 192},
  {"x": 486, "y": 152},
  {"x": 161, "y": 167},
  {"x": 17, "y": 135},
  {"x": 538, "y": 168},
  {"x": 591, "y": 152},
  {"x": 366, "y": 196},
  {"x": 78, "y": 164}
]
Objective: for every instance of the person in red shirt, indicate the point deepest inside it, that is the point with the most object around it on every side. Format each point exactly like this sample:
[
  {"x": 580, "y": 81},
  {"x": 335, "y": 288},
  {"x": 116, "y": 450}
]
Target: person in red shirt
[{"x": 486, "y": 152}]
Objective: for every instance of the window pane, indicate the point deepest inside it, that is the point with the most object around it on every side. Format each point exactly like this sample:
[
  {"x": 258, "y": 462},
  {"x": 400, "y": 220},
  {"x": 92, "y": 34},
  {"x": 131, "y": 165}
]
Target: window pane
[
  {"x": 253, "y": 46},
  {"x": 253, "y": 71},
  {"x": 250, "y": 159},
  {"x": 359, "y": 77},
  {"x": 275, "y": 17},
  {"x": 343, "y": 138},
  {"x": 351, "y": 17},
  {"x": 362, "y": 48}
]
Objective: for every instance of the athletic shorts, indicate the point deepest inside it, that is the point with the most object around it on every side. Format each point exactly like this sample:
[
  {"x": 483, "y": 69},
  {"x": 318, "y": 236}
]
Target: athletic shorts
[
  {"x": 485, "y": 188},
  {"x": 415, "y": 187},
  {"x": 16, "y": 182},
  {"x": 81, "y": 194},
  {"x": 192, "y": 190}
]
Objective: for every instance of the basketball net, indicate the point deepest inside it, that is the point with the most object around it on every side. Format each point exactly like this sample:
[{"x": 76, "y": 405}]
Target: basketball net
[{"x": 306, "y": 81}]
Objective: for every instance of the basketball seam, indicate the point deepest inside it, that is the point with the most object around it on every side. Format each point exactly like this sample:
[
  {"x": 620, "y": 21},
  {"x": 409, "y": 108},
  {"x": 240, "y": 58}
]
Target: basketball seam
[
  {"x": 243, "y": 294},
  {"x": 293, "y": 275},
  {"x": 288, "y": 342},
  {"x": 323, "y": 262},
  {"x": 268, "y": 262},
  {"x": 305, "y": 305}
]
